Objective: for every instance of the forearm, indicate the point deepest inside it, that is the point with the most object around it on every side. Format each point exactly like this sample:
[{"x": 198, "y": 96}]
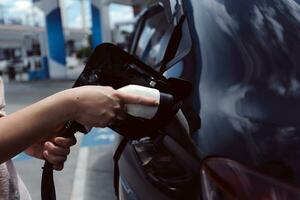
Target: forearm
[
  {"x": 20, "y": 130},
  {"x": 93, "y": 106}
]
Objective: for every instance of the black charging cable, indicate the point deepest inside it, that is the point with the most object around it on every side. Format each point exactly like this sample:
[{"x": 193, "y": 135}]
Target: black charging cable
[{"x": 47, "y": 185}]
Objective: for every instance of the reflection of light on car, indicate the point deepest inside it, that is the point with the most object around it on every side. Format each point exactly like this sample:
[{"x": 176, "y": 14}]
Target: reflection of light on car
[
  {"x": 224, "y": 178},
  {"x": 174, "y": 71},
  {"x": 129, "y": 192},
  {"x": 145, "y": 38}
]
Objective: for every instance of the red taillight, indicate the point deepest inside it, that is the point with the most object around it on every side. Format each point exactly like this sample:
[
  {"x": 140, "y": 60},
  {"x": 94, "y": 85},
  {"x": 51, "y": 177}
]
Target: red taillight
[{"x": 226, "y": 179}]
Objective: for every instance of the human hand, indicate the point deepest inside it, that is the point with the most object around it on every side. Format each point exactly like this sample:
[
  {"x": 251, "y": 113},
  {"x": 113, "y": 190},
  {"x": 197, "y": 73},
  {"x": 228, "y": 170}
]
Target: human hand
[
  {"x": 98, "y": 106},
  {"x": 54, "y": 151}
]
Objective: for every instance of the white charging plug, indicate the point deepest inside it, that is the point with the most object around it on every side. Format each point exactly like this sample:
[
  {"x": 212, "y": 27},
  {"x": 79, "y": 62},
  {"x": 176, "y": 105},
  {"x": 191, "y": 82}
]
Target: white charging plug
[{"x": 137, "y": 110}]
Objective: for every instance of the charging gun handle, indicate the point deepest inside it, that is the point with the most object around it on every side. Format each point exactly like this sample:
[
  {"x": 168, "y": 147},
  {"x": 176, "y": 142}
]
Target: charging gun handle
[{"x": 47, "y": 185}]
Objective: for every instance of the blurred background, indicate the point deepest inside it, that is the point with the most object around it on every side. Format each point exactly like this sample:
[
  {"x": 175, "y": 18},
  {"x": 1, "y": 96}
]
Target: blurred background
[
  {"x": 44, "y": 45},
  {"x": 52, "y": 39}
]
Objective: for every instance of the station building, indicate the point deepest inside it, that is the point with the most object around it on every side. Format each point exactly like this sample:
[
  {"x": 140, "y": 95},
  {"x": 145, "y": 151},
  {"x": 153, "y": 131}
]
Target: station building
[
  {"x": 25, "y": 48},
  {"x": 46, "y": 52}
]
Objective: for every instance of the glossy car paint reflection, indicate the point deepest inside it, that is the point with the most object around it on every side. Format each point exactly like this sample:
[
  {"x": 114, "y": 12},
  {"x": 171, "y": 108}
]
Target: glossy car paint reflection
[
  {"x": 243, "y": 65},
  {"x": 250, "y": 86},
  {"x": 226, "y": 179},
  {"x": 149, "y": 168}
]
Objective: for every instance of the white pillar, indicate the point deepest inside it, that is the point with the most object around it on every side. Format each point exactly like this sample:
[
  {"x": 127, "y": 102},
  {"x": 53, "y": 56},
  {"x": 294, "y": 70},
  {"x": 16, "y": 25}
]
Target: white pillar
[
  {"x": 55, "y": 38},
  {"x": 100, "y": 22},
  {"x": 106, "y": 31}
]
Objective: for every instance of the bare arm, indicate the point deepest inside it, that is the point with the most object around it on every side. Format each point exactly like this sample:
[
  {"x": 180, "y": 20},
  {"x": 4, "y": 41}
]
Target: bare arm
[
  {"x": 94, "y": 106},
  {"x": 20, "y": 130}
]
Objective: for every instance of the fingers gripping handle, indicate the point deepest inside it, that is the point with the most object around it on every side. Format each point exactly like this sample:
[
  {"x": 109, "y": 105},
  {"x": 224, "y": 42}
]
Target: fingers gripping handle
[{"x": 136, "y": 110}]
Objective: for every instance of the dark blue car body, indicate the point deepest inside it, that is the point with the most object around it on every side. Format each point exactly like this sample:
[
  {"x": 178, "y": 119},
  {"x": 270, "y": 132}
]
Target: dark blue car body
[{"x": 243, "y": 60}]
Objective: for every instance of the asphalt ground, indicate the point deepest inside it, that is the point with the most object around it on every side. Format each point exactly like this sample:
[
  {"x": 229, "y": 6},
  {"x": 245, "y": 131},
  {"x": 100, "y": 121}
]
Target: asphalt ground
[{"x": 88, "y": 172}]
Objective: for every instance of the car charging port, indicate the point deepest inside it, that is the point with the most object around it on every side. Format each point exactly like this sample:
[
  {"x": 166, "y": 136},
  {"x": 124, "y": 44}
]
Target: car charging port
[{"x": 163, "y": 170}]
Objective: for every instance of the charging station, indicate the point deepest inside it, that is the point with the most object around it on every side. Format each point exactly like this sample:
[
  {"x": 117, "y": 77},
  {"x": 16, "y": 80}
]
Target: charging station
[{"x": 55, "y": 38}]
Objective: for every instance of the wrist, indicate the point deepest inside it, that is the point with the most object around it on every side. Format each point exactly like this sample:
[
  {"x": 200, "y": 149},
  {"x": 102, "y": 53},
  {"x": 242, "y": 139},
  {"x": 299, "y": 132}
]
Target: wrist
[{"x": 69, "y": 103}]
